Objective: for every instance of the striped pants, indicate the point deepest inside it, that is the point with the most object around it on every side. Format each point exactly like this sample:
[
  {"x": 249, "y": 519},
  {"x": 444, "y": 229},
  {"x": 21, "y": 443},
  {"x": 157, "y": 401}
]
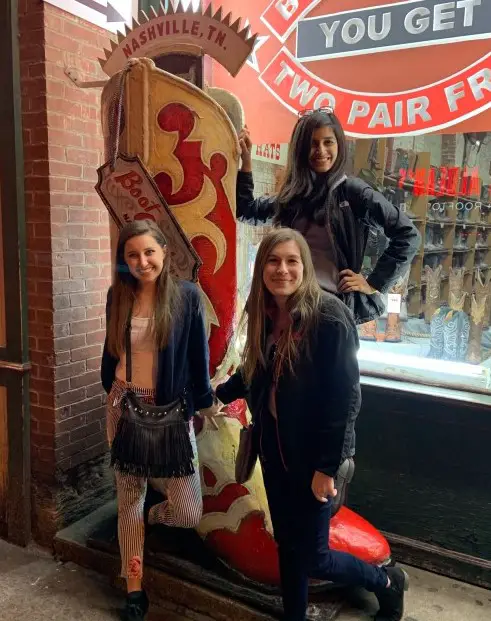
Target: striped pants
[{"x": 183, "y": 506}]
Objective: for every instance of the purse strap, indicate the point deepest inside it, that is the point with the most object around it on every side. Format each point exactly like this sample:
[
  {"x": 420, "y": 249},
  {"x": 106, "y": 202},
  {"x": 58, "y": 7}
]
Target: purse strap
[{"x": 128, "y": 350}]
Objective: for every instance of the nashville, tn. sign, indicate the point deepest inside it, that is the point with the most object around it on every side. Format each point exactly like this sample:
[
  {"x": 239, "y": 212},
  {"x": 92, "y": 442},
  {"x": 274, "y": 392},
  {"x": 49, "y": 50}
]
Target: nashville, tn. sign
[
  {"x": 200, "y": 31},
  {"x": 293, "y": 38}
]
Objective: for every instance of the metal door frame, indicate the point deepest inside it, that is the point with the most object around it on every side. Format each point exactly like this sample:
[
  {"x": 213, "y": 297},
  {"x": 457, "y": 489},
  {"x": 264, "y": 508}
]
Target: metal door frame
[{"x": 14, "y": 361}]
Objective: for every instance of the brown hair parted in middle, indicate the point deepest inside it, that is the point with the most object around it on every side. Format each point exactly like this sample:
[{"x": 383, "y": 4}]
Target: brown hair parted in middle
[
  {"x": 304, "y": 307},
  {"x": 125, "y": 285},
  {"x": 299, "y": 182}
]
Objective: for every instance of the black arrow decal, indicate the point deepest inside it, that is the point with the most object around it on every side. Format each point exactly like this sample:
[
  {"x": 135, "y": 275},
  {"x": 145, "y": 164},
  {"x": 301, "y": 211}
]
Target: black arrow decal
[{"x": 112, "y": 16}]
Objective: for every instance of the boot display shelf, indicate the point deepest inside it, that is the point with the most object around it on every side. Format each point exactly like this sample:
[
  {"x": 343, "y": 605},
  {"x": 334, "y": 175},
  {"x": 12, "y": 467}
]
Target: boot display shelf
[{"x": 455, "y": 230}]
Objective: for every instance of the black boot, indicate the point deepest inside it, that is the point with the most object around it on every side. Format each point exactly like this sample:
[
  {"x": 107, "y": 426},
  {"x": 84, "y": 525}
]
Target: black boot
[
  {"x": 136, "y": 606},
  {"x": 391, "y": 599}
]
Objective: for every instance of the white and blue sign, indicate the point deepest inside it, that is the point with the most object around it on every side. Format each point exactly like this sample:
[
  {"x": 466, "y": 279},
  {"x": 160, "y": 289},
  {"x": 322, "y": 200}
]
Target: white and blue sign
[{"x": 391, "y": 27}]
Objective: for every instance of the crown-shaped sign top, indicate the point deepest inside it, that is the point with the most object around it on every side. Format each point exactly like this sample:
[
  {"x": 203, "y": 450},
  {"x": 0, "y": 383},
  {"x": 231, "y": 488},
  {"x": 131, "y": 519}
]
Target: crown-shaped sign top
[{"x": 208, "y": 31}]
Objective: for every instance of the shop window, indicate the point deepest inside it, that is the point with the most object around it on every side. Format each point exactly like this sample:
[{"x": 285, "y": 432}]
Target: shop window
[
  {"x": 266, "y": 177},
  {"x": 437, "y": 326}
]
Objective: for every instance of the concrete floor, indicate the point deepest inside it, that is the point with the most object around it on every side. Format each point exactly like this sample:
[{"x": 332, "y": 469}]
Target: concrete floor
[
  {"x": 431, "y": 598},
  {"x": 36, "y": 588}
]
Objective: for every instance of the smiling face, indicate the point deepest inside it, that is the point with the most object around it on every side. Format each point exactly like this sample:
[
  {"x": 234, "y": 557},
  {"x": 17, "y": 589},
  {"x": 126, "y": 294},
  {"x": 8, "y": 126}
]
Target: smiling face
[
  {"x": 145, "y": 258},
  {"x": 323, "y": 149},
  {"x": 283, "y": 271}
]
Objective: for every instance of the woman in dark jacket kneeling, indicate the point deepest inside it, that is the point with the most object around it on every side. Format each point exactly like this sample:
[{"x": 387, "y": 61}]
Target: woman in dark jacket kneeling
[{"x": 300, "y": 377}]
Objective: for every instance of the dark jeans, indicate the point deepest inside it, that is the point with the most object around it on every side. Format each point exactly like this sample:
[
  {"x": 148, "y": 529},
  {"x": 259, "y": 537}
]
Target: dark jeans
[{"x": 301, "y": 530}]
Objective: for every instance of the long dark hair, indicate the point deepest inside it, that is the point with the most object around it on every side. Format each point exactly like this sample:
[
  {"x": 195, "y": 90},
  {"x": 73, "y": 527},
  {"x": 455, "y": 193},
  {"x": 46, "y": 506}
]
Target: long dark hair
[
  {"x": 302, "y": 191},
  {"x": 125, "y": 286},
  {"x": 304, "y": 305}
]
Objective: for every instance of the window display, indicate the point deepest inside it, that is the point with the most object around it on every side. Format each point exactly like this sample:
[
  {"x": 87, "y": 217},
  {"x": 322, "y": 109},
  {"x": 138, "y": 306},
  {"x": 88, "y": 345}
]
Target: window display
[
  {"x": 436, "y": 328},
  {"x": 442, "y": 182}
]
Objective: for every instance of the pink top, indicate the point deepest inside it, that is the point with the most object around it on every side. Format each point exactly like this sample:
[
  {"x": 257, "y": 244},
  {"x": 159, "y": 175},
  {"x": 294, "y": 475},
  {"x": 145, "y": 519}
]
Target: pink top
[{"x": 143, "y": 355}]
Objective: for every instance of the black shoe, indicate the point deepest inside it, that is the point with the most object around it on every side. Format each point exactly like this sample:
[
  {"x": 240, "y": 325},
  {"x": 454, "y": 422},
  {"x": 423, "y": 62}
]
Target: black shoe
[
  {"x": 391, "y": 599},
  {"x": 136, "y": 606}
]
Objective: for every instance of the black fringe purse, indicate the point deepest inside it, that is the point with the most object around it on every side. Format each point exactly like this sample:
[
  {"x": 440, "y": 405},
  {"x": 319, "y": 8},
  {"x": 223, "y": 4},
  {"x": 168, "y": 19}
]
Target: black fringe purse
[{"x": 151, "y": 441}]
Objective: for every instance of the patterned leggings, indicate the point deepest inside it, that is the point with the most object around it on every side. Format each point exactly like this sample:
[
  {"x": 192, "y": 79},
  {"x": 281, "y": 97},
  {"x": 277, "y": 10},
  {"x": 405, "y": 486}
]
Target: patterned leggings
[{"x": 183, "y": 506}]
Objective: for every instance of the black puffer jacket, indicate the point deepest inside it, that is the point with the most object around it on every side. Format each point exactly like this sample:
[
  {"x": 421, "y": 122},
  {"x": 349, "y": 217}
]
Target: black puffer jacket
[
  {"x": 317, "y": 408},
  {"x": 361, "y": 209}
]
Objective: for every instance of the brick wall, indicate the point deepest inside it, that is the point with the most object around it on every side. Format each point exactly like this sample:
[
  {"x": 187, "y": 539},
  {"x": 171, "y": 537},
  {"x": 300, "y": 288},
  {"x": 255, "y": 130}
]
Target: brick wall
[{"x": 68, "y": 264}]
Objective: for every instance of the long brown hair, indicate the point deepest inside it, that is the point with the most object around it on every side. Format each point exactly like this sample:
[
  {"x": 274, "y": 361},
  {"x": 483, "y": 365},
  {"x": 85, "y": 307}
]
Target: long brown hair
[
  {"x": 303, "y": 306},
  {"x": 299, "y": 182},
  {"x": 303, "y": 193},
  {"x": 125, "y": 286}
]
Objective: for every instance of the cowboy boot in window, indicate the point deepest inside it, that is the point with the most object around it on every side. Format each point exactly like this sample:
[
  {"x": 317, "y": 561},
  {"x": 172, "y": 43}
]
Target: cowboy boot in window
[
  {"x": 456, "y": 326},
  {"x": 482, "y": 288},
  {"x": 436, "y": 333},
  {"x": 456, "y": 329},
  {"x": 433, "y": 286},
  {"x": 478, "y": 309},
  {"x": 393, "y": 327},
  {"x": 457, "y": 295},
  {"x": 368, "y": 331}
]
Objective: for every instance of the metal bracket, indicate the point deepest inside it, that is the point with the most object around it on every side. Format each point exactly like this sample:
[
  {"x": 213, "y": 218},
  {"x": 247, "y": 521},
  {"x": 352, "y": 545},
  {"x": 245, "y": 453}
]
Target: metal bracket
[
  {"x": 73, "y": 75},
  {"x": 18, "y": 367}
]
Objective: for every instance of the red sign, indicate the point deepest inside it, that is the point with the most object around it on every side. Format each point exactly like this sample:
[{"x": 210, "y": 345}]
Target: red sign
[
  {"x": 281, "y": 16},
  {"x": 429, "y": 108},
  {"x": 392, "y": 93},
  {"x": 451, "y": 183},
  {"x": 274, "y": 152}
]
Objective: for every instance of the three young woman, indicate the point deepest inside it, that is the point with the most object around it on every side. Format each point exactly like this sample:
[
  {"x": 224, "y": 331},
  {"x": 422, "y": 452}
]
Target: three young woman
[
  {"x": 300, "y": 376},
  {"x": 299, "y": 372},
  {"x": 159, "y": 322}
]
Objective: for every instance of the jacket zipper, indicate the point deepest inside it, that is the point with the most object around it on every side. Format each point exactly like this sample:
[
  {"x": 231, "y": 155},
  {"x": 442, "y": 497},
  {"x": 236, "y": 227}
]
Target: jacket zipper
[
  {"x": 278, "y": 431},
  {"x": 277, "y": 439},
  {"x": 261, "y": 435},
  {"x": 279, "y": 443}
]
